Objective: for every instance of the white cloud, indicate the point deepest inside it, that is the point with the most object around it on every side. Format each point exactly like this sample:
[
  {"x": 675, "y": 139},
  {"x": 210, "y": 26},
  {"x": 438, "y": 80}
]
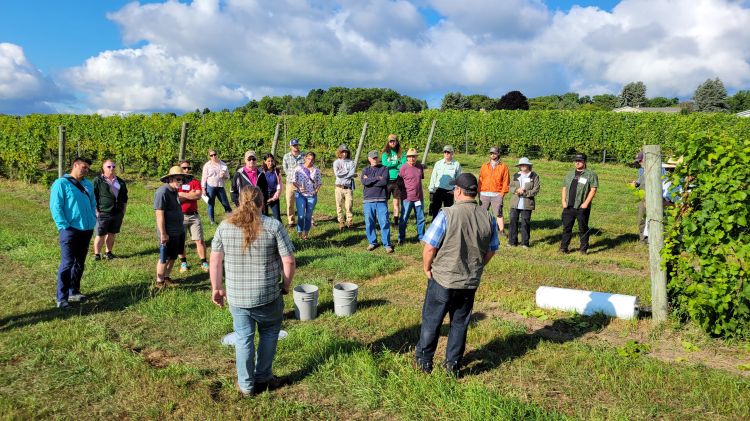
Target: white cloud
[
  {"x": 217, "y": 53},
  {"x": 23, "y": 88}
]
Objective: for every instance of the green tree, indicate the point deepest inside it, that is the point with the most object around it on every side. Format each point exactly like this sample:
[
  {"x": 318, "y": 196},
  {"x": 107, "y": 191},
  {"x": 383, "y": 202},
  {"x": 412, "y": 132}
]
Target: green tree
[
  {"x": 606, "y": 102},
  {"x": 661, "y": 101},
  {"x": 633, "y": 95},
  {"x": 478, "y": 102},
  {"x": 739, "y": 102},
  {"x": 454, "y": 101},
  {"x": 711, "y": 96}
]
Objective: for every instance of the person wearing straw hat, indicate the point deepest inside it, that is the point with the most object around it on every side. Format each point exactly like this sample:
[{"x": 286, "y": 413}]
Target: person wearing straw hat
[
  {"x": 578, "y": 191},
  {"x": 344, "y": 171},
  {"x": 169, "y": 224},
  {"x": 256, "y": 257},
  {"x": 494, "y": 178},
  {"x": 412, "y": 173},
  {"x": 524, "y": 186},
  {"x": 441, "y": 188}
]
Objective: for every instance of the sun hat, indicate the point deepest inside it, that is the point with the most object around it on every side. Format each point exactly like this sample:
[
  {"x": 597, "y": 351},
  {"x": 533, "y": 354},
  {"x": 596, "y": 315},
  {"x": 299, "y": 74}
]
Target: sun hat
[
  {"x": 523, "y": 161},
  {"x": 672, "y": 163},
  {"x": 412, "y": 152},
  {"x": 176, "y": 170}
]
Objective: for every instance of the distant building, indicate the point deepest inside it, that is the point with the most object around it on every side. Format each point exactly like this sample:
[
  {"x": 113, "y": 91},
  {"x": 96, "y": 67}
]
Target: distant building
[
  {"x": 668, "y": 110},
  {"x": 745, "y": 113}
]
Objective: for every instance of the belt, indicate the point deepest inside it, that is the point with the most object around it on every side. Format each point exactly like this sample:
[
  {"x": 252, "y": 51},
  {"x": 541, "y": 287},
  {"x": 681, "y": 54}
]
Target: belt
[
  {"x": 341, "y": 186},
  {"x": 190, "y": 213}
]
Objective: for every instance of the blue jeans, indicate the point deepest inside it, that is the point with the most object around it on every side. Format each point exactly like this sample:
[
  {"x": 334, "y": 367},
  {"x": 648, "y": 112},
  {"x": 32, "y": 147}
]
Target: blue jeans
[
  {"x": 212, "y": 192},
  {"x": 305, "y": 208},
  {"x": 275, "y": 209},
  {"x": 252, "y": 368},
  {"x": 418, "y": 212},
  {"x": 377, "y": 211},
  {"x": 74, "y": 245},
  {"x": 438, "y": 302}
]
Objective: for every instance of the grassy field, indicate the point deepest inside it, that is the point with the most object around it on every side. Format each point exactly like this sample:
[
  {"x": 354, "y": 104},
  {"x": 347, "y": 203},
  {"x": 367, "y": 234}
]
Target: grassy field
[{"x": 128, "y": 353}]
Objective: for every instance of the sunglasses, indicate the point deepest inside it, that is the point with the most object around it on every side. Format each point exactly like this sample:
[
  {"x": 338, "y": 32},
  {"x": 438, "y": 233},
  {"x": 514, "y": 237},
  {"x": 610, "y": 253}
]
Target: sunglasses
[
  {"x": 186, "y": 168},
  {"x": 110, "y": 166},
  {"x": 252, "y": 158},
  {"x": 447, "y": 152},
  {"x": 212, "y": 154},
  {"x": 178, "y": 179},
  {"x": 393, "y": 141}
]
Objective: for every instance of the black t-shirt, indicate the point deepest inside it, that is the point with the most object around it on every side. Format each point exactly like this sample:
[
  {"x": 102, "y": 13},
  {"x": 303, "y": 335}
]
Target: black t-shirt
[
  {"x": 573, "y": 188},
  {"x": 167, "y": 200}
]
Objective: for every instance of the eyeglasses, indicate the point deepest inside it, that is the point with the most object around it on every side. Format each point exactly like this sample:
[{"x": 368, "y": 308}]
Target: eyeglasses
[
  {"x": 212, "y": 154},
  {"x": 392, "y": 141},
  {"x": 110, "y": 166},
  {"x": 186, "y": 168},
  {"x": 251, "y": 158}
]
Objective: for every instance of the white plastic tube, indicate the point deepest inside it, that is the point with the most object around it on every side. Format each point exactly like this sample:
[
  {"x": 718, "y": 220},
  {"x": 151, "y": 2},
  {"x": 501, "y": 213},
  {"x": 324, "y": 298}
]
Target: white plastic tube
[{"x": 587, "y": 302}]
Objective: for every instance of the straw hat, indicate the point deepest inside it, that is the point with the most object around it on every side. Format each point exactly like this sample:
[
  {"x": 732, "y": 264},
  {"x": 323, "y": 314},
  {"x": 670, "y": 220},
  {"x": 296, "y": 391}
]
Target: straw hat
[
  {"x": 176, "y": 170},
  {"x": 411, "y": 152},
  {"x": 672, "y": 163}
]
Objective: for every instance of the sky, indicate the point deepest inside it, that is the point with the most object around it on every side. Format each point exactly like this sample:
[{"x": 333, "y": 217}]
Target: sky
[{"x": 115, "y": 56}]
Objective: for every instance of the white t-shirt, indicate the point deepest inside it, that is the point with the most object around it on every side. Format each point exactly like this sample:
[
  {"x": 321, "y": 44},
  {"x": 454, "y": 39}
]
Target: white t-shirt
[{"x": 522, "y": 180}]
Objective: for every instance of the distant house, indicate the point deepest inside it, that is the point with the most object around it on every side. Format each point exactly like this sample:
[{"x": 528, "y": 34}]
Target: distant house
[
  {"x": 745, "y": 113},
  {"x": 668, "y": 110}
]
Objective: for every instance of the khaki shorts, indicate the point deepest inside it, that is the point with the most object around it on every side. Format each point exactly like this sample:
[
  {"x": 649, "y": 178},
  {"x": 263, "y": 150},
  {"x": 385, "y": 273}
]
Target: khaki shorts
[
  {"x": 193, "y": 223},
  {"x": 494, "y": 202}
]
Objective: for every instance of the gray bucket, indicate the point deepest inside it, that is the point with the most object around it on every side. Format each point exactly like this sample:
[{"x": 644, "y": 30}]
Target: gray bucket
[
  {"x": 345, "y": 298},
  {"x": 305, "y": 302}
]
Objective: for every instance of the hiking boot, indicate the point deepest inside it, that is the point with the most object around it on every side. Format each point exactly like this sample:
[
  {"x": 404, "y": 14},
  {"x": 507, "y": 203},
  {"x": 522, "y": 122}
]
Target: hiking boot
[
  {"x": 77, "y": 298},
  {"x": 271, "y": 384},
  {"x": 204, "y": 266},
  {"x": 63, "y": 304},
  {"x": 388, "y": 249},
  {"x": 371, "y": 247},
  {"x": 97, "y": 257},
  {"x": 183, "y": 267},
  {"x": 109, "y": 256}
]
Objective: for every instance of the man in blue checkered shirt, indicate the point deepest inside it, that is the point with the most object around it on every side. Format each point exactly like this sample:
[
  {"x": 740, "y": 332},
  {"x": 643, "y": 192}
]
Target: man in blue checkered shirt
[{"x": 459, "y": 243}]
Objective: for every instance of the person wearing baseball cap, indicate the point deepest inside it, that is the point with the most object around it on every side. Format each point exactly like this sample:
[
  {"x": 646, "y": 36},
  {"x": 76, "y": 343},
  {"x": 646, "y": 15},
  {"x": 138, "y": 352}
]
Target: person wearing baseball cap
[
  {"x": 441, "y": 187},
  {"x": 578, "y": 191},
  {"x": 344, "y": 171},
  {"x": 375, "y": 182},
  {"x": 412, "y": 173},
  {"x": 249, "y": 175},
  {"x": 393, "y": 159},
  {"x": 494, "y": 179},
  {"x": 169, "y": 223},
  {"x": 289, "y": 164},
  {"x": 458, "y": 244}
]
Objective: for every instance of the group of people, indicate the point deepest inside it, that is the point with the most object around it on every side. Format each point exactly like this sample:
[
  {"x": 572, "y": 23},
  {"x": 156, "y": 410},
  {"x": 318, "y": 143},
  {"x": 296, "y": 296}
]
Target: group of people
[{"x": 251, "y": 250}]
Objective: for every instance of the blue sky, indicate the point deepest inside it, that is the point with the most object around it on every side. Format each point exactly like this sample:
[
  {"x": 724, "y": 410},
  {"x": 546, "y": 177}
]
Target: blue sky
[{"x": 112, "y": 56}]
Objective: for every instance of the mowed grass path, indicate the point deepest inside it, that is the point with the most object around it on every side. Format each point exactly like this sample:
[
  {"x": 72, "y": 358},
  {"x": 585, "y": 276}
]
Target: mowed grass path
[{"x": 130, "y": 353}]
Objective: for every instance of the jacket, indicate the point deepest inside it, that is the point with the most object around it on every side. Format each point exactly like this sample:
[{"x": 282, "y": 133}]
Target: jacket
[
  {"x": 105, "y": 200},
  {"x": 70, "y": 207},
  {"x": 240, "y": 181},
  {"x": 375, "y": 183},
  {"x": 532, "y": 189},
  {"x": 494, "y": 179}
]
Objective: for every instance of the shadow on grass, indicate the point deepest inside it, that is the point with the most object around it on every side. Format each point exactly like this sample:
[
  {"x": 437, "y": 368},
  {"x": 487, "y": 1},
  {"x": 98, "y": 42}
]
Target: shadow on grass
[
  {"x": 112, "y": 299},
  {"x": 505, "y": 349},
  {"x": 551, "y": 224},
  {"x": 610, "y": 243},
  {"x": 328, "y": 307}
]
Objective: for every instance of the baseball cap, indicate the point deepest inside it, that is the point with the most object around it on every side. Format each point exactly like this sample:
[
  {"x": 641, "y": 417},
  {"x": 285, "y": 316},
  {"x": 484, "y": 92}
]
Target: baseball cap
[
  {"x": 342, "y": 148},
  {"x": 248, "y": 154},
  {"x": 392, "y": 137},
  {"x": 372, "y": 154},
  {"x": 448, "y": 148},
  {"x": 467, "y": 182},
  {"x": 579, "y": 157},
  {"x": 294, "y": 142},
  {"x": 494, "y": 149},
  {"x": 639, "y": 157}
]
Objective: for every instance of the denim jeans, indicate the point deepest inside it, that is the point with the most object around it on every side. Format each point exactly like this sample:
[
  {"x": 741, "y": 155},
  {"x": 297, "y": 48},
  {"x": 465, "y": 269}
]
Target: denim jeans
[
  {"x": 305, "y": 208},
  {"x": 212, "y": 193},
  {"x": 275, "y": 209},
  {"x": 418, "y": 212},
  {"x": 438, "y": 302},
  {"x": 525, "y": 217},
  {"x": 74, "y": 246},
  {"x": 251, "y": 367},
  {"x": 377, "y": 212}
]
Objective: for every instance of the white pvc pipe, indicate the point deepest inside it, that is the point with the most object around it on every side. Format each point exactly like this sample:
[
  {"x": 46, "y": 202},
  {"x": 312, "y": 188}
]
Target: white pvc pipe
[{"x": 587, "y": 302}]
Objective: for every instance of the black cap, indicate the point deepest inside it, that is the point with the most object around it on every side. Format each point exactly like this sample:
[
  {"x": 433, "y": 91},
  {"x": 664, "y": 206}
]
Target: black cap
[
  {"x": 579, "y": 157},
  {"x": 467, "y": 182}
]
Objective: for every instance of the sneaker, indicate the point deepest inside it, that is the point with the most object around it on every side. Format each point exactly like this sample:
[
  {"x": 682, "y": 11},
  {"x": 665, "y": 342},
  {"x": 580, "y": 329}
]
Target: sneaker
[
  {"x": 204, "y": 266},
  {"x": 388, "y": 249},
  {"x": 77, "y": 298},
  {"x": 341, "y": 226},
  {"x": 183, "y": 267},
  {"x": 348, "y": 224},
  {"x": 271, "y": 384},
  {"x": 169, "y": 282},
  {"x": 97, "y": 257},
  {"x": 109, "y": 256},
  {"x": 371, "y": 247},
  {"x": 525, "y": 247},
  {"x": 63, "y": 304}
]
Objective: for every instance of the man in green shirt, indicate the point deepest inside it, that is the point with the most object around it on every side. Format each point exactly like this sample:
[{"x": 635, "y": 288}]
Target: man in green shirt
[{"x": 578, "y": 190}]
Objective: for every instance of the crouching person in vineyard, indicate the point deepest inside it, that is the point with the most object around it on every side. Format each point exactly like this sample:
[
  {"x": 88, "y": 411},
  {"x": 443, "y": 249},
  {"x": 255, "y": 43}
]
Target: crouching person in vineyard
[
  {"x": 169, "y": 224},
  {"x": 258, "y": 253}
]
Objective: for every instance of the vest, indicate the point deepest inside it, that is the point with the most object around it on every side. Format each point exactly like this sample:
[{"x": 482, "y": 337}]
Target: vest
[{"x": 460, "y": 260}]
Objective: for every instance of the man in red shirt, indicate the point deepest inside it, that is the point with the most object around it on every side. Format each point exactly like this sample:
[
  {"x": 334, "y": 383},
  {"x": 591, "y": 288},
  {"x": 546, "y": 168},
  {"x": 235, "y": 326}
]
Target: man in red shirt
[{"x": 189, "y": 194}]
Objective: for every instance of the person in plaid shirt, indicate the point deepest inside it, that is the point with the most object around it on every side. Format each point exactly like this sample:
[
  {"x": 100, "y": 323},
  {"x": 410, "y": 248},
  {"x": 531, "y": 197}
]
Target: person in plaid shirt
[{"x": 254, "y": 252}]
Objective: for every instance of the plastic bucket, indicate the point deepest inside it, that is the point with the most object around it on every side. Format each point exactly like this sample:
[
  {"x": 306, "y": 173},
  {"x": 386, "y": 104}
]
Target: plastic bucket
[
  {"x": 305, "y": 301},
  {"x": 345, "y": 298}
]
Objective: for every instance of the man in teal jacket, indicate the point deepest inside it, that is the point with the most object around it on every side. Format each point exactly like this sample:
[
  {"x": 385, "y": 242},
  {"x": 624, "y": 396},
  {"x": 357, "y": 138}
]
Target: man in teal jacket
[{"x": 73, "y": 209}]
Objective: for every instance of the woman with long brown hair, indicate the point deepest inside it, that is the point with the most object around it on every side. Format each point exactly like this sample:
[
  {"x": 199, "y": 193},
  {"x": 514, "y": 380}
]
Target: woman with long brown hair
[{"x": 253, "y": 252}]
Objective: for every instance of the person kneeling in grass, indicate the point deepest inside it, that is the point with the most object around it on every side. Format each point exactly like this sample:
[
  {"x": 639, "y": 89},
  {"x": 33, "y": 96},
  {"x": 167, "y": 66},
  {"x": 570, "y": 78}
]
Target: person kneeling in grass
[{"x": 253, "y": 252}]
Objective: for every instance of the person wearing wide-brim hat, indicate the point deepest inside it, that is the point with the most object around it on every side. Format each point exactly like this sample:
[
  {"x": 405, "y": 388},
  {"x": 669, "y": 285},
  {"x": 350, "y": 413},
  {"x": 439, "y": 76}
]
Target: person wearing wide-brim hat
[
  {"x": 412, "y": 173},
  {"x": 578, "y": 191},
  {"x": 524, "y": 186},
  {"x": 344, "y": 171},
  {"x": 169, "y": 219}
]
